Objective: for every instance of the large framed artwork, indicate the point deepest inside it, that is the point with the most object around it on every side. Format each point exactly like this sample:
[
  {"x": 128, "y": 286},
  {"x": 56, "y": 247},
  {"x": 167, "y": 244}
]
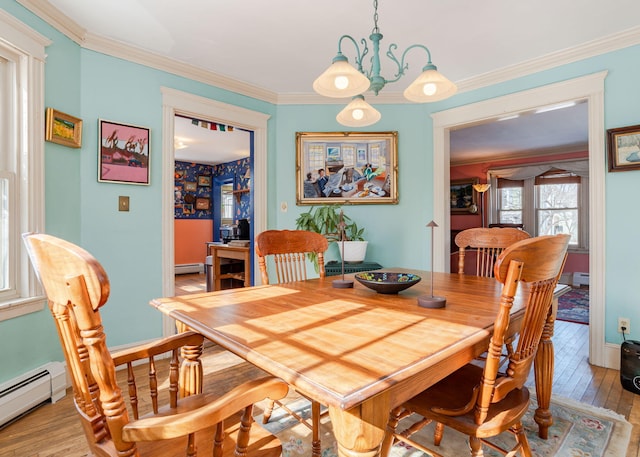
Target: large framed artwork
[
  {"x": 346, "y": 167},
  {"x": 624, "y": 148},
  {"x": 124, "y": 153}
]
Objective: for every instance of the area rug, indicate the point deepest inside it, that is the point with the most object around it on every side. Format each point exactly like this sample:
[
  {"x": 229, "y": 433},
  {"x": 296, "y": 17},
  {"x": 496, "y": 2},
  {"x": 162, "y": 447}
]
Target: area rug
[
  {"x": 574, "y": 306},
  {"x": 579, "y": 430}
]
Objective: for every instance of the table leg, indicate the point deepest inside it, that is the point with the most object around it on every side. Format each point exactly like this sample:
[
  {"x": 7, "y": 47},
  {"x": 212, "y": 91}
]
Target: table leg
[
  {"x": 543, "y": 369},
  {"x": 359, "y": 431}
]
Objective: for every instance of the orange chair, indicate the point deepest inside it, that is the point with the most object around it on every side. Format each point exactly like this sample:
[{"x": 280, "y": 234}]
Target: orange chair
[
  {"x": 289, "y": 249},
  {"x": 479, "y": 401},
  {"x": 77, "y": 287},
  {"x": 488, "y": 244}
]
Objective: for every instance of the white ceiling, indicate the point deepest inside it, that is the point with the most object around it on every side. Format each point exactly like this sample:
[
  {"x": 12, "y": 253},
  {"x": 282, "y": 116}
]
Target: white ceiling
[
  {"x": 194, "y": 143},
  {"x": 283, "y": 45}
]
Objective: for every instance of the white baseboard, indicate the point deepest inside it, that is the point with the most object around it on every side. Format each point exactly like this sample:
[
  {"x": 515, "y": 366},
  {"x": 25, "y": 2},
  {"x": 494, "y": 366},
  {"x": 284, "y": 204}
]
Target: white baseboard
[{"x": 189, "y": 268}]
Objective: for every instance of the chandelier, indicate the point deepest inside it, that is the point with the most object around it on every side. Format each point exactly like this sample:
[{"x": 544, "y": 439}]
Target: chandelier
[{"x": 342, "y": 79}]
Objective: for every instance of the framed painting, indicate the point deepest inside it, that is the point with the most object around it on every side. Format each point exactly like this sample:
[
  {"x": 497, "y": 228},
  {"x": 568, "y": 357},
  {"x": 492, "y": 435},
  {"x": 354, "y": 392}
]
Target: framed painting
[
  {"x": 203, "y": 203},
  {"x": 63, "y": 129},
  {"x": 624, "y": 148},
  {"x": 124, "y": 153},
  {"x": 346, "y": 168},
  {"x": 190, "y": 186},
  {"x": 463, "y": 198},
  {"x": 204, "y": 180}
]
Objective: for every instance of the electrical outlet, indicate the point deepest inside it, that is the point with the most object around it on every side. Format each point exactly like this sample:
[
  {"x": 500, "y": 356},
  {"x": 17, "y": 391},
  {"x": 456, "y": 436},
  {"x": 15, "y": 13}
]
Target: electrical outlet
[{"x": 626, "y": 323}]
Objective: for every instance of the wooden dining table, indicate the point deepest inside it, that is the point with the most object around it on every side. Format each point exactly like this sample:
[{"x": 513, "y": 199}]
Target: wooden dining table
[{"x": 358, "y": 352}]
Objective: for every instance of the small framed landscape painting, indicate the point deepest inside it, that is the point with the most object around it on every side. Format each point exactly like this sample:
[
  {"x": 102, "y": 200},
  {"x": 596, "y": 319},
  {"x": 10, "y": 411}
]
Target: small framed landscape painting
[
  {"x": 124, "y": 154},
  {"x": 63, "y": 129}
]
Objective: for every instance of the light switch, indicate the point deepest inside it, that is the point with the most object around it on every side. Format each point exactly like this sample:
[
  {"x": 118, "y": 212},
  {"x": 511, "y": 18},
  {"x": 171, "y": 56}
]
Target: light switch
[
  {"x": 123, "y": 203},
  {"x": 283, "y": 207}
]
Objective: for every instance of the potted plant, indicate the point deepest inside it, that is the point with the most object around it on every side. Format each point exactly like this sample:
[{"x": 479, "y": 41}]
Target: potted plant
[{"x": 325, "y": 220}]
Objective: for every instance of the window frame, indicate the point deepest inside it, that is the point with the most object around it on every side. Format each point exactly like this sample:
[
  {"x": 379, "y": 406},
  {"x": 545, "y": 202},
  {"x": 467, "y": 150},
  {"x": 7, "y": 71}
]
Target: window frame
[
  {"x": 529, "y": 196},
  {"x": 22, "y": 134}
]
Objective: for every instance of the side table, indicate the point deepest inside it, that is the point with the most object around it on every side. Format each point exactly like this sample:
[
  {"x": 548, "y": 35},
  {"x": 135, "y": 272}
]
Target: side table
[{"x": 334, "y": 267}]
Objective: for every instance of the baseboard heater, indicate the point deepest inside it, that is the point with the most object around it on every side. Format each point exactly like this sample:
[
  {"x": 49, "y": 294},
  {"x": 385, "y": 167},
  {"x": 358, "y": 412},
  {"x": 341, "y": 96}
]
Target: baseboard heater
[
  {"x": 189, "y": 268},
  {"x": 24, "y": 393},
  {"x": 580, "y": 279}
]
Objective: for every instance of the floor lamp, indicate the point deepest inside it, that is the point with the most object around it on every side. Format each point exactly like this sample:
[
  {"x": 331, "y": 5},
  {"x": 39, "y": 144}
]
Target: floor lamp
[{"x": 481, "y": 188}]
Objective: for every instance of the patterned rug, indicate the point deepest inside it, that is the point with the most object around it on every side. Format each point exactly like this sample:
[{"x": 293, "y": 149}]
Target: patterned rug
[
  {"x": 574, "y": 306},
  {"x": 579, "y": 430}
]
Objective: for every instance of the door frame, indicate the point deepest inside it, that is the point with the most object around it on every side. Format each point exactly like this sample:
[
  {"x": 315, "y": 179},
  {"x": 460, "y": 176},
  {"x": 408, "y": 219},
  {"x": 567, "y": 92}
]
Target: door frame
[
  {"x": 589, "y": 88},
  {"x": 178, "y": 102}
]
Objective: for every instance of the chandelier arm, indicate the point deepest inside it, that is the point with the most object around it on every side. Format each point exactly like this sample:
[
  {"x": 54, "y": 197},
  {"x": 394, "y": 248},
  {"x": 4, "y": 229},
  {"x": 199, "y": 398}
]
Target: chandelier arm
[
  {"x": 359, "y": 55},
  {"x": 404, "y": 66},
  {"x": 401, "y": 66}
]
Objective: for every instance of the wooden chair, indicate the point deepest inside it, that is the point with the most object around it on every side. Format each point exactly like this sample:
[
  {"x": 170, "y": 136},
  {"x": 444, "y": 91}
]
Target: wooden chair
[
  {"x": 77, "y": 287},
  {"x": 478, "y": 400},
  {"x": 289, "y": 249},
  {"x": 488, "y": 244}
]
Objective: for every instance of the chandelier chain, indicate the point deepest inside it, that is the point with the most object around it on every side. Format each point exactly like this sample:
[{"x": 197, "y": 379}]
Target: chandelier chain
[{"x": 375, "y": 17}]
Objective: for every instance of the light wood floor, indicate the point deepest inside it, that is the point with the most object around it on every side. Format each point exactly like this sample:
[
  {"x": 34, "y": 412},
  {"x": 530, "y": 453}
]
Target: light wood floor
[{"x": 573, "y": 378}]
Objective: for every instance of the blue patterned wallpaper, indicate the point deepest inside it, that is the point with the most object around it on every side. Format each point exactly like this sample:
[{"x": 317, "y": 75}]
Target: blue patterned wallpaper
[{"x": 191, "y": 190}]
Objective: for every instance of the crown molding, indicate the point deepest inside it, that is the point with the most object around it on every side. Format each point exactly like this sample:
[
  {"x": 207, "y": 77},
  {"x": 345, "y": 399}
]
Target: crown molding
[
  {"x": 626, "y": 38},
  {"x": 114, "y": 48},
  {"x": 501, "y": 157},
  {"x": 117, "y": 49},
  {"x": 75, "y": 32},
  {"x": 50, "y": 14}
]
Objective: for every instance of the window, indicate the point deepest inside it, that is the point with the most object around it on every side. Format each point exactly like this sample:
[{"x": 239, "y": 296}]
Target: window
[
  {"x": 21, "y": 162},
  {"x": 510, "y": 196},
  {"x": 227, "y": 204},
  {"x": 551, "y": 198},
  {"x": 557, "y": 207}
]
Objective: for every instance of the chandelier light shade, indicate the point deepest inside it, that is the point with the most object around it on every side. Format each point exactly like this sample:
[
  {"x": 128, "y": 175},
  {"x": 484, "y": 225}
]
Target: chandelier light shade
[
  {"x": 342, "y": 79},
  {"x": 430, "y": 86},
  {"x": 358, "y": 113}
]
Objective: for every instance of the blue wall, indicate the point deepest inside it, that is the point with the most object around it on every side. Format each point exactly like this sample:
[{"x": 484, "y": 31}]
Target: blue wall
[{"x": 93, "y": 86}]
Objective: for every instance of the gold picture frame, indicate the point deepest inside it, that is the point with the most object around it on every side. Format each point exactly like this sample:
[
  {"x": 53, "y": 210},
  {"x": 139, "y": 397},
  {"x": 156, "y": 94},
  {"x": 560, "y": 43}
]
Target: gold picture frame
[
  {"x": 63, "y": 128},
  {"x": 346, "y": 168}
]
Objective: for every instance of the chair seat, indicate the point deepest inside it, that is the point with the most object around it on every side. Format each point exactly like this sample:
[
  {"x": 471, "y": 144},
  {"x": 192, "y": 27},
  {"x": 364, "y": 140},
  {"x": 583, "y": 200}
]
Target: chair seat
[{"x": 452, "y": 393}]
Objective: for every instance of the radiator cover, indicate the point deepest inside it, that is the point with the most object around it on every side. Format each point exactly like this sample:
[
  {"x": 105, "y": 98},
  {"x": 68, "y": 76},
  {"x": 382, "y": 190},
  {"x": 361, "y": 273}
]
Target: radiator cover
[{"x": 24, "y": 393}]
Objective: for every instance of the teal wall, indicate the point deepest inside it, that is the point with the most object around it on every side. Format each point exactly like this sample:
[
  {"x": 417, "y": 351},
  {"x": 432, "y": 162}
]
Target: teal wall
[{"x": 93, "y": 86}]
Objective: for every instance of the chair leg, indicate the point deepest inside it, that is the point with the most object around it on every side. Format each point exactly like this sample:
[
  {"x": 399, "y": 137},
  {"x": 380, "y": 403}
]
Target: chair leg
[
  {"x": 394, "y": 418},
  {"x": 268, "y": 411},
  {"x": 521, "y": 438},
  {"x": 315, "y": 429},
  {"x": 475, "y": 444},
  {"x": 438, "y": 434}
]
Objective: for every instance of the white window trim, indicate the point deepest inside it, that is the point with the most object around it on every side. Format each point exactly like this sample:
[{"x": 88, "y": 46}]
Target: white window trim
[{"x": 26, "y": 138}]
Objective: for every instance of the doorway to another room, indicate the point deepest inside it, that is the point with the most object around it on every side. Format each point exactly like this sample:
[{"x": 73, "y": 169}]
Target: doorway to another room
[
  {"x": 195, "y": 107},
  {"x": 213, "y": 163}
]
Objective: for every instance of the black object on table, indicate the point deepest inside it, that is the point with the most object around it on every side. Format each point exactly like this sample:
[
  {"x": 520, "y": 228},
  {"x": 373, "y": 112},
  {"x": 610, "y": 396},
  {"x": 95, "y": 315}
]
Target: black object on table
[{"x": 334, "y": 267}]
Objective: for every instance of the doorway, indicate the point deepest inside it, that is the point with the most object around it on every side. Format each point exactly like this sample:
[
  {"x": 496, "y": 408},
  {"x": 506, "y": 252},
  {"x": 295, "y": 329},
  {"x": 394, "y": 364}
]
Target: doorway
[
  {"x": 589, "y": 88},
  {"x": 178, "y": 102},
  {"x": 207, "y": 155}
]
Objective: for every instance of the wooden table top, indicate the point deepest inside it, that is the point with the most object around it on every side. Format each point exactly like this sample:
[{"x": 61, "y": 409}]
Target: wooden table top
[{"x": 343, "y": 346}]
